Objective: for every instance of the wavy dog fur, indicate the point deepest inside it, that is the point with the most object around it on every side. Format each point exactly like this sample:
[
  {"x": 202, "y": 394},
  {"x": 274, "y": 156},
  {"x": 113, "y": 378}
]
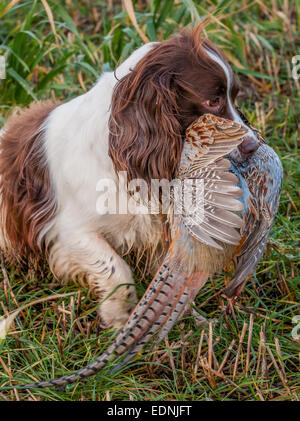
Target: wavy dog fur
[
  {"x": 27, "y": 198},
  {"x": 154, "y": 104}
]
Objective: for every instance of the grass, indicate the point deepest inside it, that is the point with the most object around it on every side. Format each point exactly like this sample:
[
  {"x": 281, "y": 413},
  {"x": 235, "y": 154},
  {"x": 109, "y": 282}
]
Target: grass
[{"x": 58, "y": 49}]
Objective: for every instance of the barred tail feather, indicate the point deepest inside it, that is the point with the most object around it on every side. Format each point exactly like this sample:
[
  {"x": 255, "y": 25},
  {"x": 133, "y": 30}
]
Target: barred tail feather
[{"x": 163, "y": 302}]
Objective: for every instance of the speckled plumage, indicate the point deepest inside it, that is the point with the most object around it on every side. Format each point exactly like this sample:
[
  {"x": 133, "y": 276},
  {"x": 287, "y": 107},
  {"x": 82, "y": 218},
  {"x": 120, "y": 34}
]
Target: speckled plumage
[
  {"x": 200, "y": 246},
  {"x": 260, "y": 178}
]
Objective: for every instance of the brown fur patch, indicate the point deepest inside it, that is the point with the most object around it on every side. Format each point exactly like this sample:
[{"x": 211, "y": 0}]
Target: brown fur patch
[
  {"x": 154, "y": 104},
  {"x": 27, "y": 199}
]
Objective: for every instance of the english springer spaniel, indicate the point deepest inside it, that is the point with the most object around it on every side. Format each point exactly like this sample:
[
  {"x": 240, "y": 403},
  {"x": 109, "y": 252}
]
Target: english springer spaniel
[{"x": 133, "y": 120}]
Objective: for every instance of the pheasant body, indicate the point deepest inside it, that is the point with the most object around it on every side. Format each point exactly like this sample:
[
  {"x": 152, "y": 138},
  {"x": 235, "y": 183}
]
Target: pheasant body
[
  {"x": 201, "y": 239},
  {"x": 260, "y": 178}
]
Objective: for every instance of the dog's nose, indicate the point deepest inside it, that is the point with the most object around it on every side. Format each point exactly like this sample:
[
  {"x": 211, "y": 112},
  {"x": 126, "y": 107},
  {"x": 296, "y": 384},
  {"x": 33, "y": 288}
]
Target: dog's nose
[{"x": 248, "y": 146}]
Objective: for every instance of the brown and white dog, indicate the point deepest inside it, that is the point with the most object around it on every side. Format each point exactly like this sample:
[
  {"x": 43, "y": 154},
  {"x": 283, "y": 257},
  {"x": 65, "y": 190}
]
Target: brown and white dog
[{"x": 133, "y": 120}]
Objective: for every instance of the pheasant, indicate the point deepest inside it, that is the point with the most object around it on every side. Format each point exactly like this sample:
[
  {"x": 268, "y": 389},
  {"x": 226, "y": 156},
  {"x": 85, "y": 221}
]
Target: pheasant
[
  {"x": 260, "y": 178},
  {"x": 231, "y": 215}
]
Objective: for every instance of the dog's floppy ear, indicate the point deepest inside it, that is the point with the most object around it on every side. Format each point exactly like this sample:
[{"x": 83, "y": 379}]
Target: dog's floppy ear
[{"x": 145, "y": 138}]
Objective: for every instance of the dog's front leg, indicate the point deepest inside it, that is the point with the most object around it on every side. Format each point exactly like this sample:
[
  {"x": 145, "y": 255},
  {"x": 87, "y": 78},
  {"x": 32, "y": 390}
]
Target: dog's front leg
[{"x": 89, "y": 255}]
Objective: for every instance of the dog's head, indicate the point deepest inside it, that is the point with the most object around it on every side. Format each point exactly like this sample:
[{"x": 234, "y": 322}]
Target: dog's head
[{"x": 175, "y": 82}]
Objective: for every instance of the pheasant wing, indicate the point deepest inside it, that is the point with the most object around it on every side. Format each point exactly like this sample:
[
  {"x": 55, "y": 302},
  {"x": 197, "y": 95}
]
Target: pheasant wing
[{"x": 207, "y": 198}]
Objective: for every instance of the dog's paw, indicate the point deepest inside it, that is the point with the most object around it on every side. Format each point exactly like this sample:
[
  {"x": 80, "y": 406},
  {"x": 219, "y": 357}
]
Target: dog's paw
[{"x": 115, "y": 311}]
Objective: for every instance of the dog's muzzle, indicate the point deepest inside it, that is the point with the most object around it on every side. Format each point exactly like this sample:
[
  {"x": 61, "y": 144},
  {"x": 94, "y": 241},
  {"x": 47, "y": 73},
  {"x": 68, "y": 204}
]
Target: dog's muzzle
[{"x": 248, "y": 146}]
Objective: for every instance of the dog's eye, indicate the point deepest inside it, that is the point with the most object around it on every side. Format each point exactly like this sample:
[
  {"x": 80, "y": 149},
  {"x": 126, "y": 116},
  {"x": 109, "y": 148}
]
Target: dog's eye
[{"x": 213, "y": 104}]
